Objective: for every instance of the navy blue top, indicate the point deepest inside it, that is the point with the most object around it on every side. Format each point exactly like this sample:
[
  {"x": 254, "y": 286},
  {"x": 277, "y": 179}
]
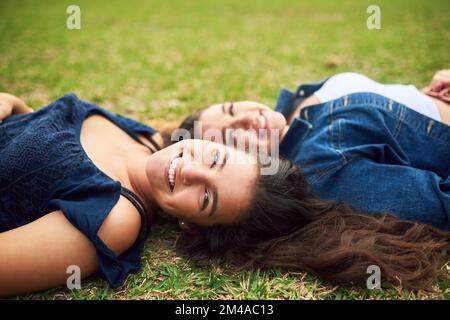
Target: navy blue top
[
  {"x": 372, "y": 153},
  {"x": 43, "y": 168}
]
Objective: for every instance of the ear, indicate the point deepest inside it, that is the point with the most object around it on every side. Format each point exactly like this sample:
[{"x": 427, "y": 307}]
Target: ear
[{"x": 188, "y": 227}]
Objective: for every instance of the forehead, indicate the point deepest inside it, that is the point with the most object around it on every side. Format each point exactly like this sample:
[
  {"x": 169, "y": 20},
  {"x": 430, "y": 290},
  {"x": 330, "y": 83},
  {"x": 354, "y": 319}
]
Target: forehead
[
  {"x": 211, "y": 116},
  {"x": 212, "y": 110},
  {"x": 236, "y": 188}
]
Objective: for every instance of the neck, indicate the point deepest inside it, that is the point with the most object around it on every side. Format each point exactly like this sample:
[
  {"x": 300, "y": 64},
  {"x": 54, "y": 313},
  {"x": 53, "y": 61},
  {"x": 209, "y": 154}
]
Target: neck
[{"x": 135, "y": 167}]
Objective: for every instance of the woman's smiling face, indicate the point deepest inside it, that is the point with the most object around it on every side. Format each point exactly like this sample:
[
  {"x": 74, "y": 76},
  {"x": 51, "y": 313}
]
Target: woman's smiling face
[
  {"x": 253, "y": 123},
  {"x": 202, "y": 182}
]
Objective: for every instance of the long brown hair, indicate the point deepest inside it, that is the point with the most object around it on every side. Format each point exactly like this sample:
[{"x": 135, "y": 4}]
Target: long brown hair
[{"x": 288, "y": 227}]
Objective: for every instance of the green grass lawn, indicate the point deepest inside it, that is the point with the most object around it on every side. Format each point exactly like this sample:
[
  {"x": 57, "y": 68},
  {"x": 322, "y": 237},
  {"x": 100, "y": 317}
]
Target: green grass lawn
[{"x": 156, "y": 61}]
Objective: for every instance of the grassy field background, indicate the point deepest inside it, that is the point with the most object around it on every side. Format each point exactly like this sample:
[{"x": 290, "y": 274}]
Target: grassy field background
[{"x": 156, "y": 61}]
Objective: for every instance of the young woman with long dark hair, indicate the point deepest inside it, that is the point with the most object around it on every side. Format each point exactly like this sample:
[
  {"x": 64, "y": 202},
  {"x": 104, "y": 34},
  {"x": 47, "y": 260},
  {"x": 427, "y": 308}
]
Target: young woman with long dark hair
[{"x": 80, "y": 185}]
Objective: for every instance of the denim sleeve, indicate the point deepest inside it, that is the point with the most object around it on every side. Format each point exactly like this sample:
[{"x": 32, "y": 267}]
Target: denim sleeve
[
  {"x": 287, "y": 100},
  {"x": 405, "y": 192}
]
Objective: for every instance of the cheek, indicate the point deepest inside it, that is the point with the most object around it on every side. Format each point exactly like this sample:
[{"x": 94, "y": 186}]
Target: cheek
[
  {"x": 154, "y": 169},
  {"x": 252, "y": 142},
  {"x": 214, "y": 123},
  {"x": 181, "y": 205},
  {"x": 214, "y": 134},
  {"x": 264, "y": 146}
]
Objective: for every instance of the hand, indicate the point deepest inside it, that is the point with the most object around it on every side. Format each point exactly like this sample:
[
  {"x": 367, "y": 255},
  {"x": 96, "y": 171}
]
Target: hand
[
  {"x": 10, "y": 105},
  {"x": 440, "y": 81},
  {"x": 439, "y": 86}
]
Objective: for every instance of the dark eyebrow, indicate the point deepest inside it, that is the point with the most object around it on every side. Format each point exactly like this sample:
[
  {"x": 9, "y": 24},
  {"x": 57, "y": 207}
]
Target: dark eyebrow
[
  {"x": 215, "y": 193},
  {"x": 224, "y": 161},
  {"x": 214, "y": 204}
]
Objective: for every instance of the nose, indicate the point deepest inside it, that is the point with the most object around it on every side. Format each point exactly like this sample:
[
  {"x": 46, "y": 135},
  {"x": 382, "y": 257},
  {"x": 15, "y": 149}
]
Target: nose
[{"x": 192, "y": 173}]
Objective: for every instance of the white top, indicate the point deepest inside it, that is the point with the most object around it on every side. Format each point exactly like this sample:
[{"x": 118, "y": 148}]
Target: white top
[{"x": 347, "y": 83}]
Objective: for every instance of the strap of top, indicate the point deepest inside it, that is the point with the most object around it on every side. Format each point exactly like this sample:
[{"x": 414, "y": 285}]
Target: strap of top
[
  {"x": 150, "y": 139},
  {"x": 130, "y": 126},
  {"x": 134, "y": 199}
]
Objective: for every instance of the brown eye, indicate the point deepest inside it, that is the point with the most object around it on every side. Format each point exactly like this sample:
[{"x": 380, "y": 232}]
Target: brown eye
[
  {"x": 216, "y": 159},
  {"x": 205, "y": 199}
]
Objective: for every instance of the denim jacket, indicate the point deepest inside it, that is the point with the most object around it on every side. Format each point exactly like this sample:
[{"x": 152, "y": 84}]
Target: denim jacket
[{"x": 371, "y": 152}]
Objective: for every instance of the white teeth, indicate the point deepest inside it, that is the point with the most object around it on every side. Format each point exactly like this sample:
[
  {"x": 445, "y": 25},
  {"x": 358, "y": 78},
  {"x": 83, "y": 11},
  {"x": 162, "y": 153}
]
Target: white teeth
[{"x": 173, "y": 166}]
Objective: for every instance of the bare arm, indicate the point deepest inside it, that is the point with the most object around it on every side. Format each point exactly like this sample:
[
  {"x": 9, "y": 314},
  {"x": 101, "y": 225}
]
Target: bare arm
[
  {"x": 36, "y": 256},
  {"x": 10, "y": 105}
]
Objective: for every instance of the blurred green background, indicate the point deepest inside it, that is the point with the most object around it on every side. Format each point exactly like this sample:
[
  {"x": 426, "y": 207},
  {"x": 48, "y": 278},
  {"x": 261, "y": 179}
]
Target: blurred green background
[
  {"x": 156, "y": 61},
  {"x": 166, "y": 58}
]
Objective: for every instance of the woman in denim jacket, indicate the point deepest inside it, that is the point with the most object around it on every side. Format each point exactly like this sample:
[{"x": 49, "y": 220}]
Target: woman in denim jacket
[{"x": 374, "y": 151}]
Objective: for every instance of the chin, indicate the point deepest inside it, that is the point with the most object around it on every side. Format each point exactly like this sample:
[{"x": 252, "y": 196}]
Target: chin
[{"x": 278, "y": 121}]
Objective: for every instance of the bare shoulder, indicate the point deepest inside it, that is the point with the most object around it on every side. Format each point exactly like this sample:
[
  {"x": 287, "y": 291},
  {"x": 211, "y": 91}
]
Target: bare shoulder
[
  {"x": 156, "y": 136},
  {"x": 158, "y": 139},
  {"x": 121, "y": 227}
]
